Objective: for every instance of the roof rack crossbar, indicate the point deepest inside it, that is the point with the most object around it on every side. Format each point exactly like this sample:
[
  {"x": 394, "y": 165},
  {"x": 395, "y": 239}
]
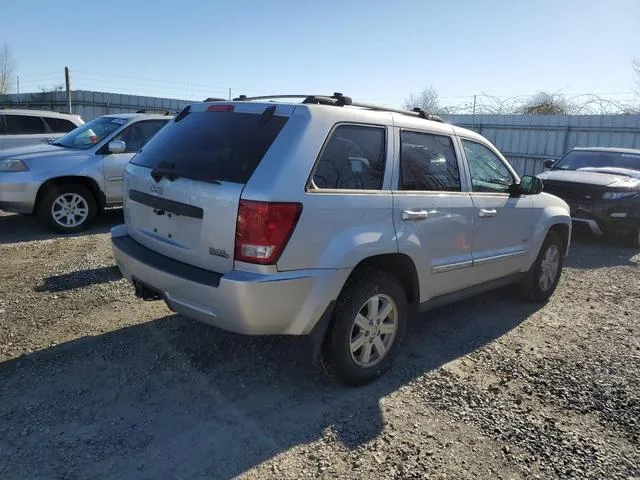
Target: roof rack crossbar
[
  {"x": 268, "y": 97},
  {"x": 340, "y": 100}
]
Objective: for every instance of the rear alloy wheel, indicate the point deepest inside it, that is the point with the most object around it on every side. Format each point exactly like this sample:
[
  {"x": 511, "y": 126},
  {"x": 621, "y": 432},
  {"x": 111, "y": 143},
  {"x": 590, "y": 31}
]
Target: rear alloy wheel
[
  {"x": 67, "y": 208},
  {"x": 542, "y": 280},
  {"x": 369, "y": 324}
]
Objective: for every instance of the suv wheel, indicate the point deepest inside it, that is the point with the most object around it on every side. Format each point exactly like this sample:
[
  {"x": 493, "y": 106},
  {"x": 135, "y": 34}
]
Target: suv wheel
[
  {"x": 542, "y": 280},
  {"x": 67, "y": 208},
  {"x": 369, "y": 324}
]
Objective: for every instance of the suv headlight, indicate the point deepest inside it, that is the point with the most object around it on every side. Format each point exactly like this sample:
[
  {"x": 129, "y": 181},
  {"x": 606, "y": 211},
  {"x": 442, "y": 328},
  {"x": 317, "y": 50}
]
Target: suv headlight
[
  {"x": 12, "y": 165},
  {"x": 619, "y": 195}
]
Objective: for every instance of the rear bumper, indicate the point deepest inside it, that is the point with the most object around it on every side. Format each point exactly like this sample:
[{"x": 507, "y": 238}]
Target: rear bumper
[
  {"x": 17, "y": 192},
  {"x": 288, "y": 303}
]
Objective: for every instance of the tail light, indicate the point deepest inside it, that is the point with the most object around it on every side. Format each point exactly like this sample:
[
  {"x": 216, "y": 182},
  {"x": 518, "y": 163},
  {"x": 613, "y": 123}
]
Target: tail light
[
  {"x": 263, "y": 230},
  {"x": 220, "y": 108}
]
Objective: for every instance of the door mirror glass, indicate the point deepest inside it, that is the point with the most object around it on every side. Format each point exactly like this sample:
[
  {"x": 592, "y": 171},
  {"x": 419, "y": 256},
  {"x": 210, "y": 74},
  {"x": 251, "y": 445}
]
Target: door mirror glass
[
  {"x": 117, "y": 146},
  {"x": 530, "y": 185},
  {"x": 549, "y": 162}
]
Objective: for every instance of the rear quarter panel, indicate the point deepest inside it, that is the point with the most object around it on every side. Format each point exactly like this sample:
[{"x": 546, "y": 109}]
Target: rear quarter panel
[{"x": 337, "y": 229}]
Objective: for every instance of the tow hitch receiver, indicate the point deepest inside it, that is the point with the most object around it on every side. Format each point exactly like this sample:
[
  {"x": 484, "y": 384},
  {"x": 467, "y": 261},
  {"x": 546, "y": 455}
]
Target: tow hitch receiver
[{"x": 146, "y": 292}]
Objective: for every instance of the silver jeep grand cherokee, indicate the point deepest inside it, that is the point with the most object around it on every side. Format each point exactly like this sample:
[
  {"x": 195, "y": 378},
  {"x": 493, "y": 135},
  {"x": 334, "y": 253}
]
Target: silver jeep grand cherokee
[{"x": 331, "y": 219}]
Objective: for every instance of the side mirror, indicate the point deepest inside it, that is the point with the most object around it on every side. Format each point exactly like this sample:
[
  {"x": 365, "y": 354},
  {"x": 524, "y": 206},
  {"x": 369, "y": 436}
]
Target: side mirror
[
  {"x": 117, "y": 146},
  {"x": 530, "y": 185},
  {"x": 549, "y": 162}
]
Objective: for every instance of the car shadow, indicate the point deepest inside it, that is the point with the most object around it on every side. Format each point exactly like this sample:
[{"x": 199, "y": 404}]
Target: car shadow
[
  {"x": 589, "y": 251},
  {"x": 79, "y": 279},
  {"x": 16, "y": 228},
  {"x": 173, "y": 398}
]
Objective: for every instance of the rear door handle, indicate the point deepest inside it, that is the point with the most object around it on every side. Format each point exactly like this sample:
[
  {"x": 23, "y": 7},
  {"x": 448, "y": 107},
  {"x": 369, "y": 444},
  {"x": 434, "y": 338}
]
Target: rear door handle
[
  {"x": 487, "y": 212},
  {"x": 409, "y": 215}
]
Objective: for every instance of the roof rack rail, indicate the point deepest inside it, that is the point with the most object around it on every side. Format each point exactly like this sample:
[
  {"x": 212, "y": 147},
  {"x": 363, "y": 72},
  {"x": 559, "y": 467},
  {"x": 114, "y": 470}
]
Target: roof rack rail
[
  {"x": 154, "y": 110},
  {"x": 340, "y": 100},
  {"x": 214, "y": 99}
]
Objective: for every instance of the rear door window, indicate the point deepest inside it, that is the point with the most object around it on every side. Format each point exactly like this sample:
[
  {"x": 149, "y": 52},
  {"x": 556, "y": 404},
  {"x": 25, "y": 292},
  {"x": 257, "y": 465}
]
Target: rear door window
[
  {"x": 428, "y": 163},
  {"x": 209, "y": 146},
  {"x": 59, "y": 125},
  {"x": 24, "y": 125},
  {"x": 353, "y": 159}
]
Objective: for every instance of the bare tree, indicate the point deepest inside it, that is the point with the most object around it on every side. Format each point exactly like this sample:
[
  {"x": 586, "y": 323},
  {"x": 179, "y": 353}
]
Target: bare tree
[
  {"x": 427, "y": 100},
  {"x": 543, "y": 103},
  {"x": 7, "y": 66}
]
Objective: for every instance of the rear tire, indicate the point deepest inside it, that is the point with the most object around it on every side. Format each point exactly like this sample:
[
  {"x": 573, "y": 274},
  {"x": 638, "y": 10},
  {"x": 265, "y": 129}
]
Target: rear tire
[
  {"x": 368, "y": 326},
  {"x": 543, "y": 277},
  {"x": 67, "y": 208}
]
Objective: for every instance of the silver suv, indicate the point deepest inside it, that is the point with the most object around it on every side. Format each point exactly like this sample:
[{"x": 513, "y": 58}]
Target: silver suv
[
  {"x": 68, "y": 182},
  {"x": 331, "y": 219}
]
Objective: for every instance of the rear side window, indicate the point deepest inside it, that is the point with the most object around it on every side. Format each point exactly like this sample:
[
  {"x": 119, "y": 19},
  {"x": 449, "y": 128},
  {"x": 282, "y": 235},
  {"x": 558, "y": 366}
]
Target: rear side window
[
  {"x": 353, "y": 159},
  {"x": 3, "y": 129},
  {"x": 428, "y": 162},
  {"x": 211, "y": 146},
  {"x": 24, "y": 125},
  {"x": 59, "y": 125}
]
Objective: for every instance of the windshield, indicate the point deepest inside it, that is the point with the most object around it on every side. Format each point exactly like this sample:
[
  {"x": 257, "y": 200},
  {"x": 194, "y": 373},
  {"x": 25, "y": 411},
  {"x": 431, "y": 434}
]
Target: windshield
[
  {"x": 578, "y": 159},
  {"x": 90, "y": 133}
]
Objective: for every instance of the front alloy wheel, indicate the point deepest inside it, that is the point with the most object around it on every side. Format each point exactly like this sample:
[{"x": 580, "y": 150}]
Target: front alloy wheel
[
  {"x": 549, "y": 268},
  {"x": 67, "y": 208}
]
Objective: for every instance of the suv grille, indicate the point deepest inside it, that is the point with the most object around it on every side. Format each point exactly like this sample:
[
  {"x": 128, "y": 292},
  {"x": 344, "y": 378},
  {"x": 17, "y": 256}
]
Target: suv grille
[{"x": 573, "y": 193}]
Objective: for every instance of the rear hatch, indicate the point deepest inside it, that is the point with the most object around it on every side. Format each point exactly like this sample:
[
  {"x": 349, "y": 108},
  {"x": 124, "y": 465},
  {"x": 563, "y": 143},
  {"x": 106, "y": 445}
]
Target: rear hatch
[{"x": 183, "y": 189}]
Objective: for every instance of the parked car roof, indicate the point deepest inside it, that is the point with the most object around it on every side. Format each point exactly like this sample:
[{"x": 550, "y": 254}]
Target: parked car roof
[
  {"x": 130, "y": 116},
  {"x": 47, "y": 113},
  {"x": 609, "y": 149}
]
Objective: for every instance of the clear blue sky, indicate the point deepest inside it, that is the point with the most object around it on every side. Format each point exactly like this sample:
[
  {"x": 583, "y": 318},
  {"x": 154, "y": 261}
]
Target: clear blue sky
[{"x": 374, "y": 50}]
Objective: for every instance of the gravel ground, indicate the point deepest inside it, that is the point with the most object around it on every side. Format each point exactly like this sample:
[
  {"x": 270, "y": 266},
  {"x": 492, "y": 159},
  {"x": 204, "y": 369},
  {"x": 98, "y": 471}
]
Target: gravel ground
[{"x": 96, "y": 384}]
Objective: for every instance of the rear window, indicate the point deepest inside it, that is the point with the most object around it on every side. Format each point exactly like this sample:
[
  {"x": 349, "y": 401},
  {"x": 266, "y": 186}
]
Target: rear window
[
  {"x": 209, "y": 146},
  {"x": 59, "y": 125},
  {"x": 24, "y": 125}
]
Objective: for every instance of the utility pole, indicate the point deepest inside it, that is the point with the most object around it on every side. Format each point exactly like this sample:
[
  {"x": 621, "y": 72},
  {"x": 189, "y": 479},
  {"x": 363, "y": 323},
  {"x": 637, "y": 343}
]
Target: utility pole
[
  {"x": 229, "y": 93},
  {"x": 67, "y": 82},
  {"x": 473, "y": 114},
  {"x": 18, "y": 83}
]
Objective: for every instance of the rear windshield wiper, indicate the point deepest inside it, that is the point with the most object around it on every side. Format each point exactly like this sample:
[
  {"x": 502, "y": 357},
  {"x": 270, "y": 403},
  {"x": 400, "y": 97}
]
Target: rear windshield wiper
[{"x": 158, "y": 173}]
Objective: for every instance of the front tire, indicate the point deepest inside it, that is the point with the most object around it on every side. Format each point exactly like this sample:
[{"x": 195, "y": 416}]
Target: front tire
[
  {"x": 368, "y": 327},
  {"x": 541, "y": 281},
  {"x": 67, "y": 208}
]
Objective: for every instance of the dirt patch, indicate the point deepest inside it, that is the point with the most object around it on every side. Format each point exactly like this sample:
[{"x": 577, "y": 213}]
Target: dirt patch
[{"x": 95, "y": 383}]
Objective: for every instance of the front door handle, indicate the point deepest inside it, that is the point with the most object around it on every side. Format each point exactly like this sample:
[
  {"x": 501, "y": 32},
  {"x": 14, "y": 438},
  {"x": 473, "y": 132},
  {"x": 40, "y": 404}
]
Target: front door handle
[
  {"x": 487, "y": 212},
  {"x": 408, "y": 215}
]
